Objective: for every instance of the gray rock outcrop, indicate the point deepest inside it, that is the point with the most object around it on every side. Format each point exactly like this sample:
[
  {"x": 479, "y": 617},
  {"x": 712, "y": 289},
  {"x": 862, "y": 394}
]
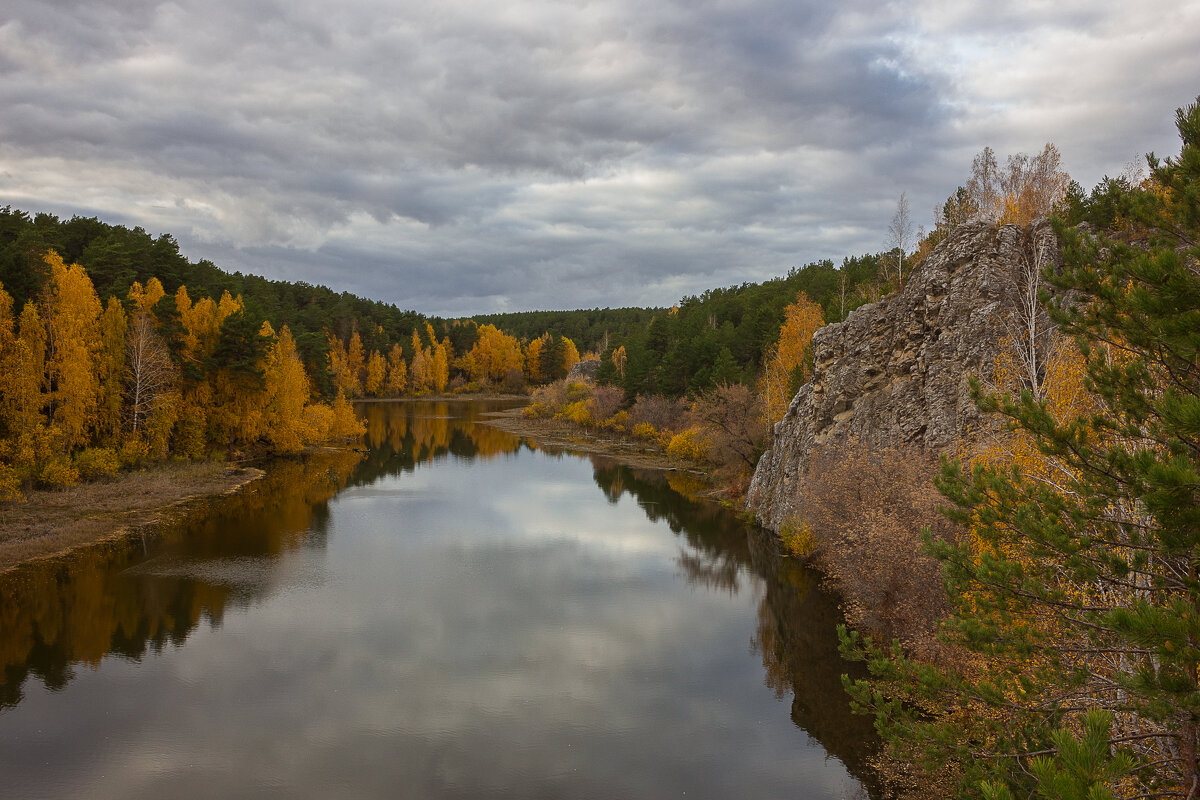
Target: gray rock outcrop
[
  {"x": 584, "y": 370},
  {"x": 897, "y": 372}
]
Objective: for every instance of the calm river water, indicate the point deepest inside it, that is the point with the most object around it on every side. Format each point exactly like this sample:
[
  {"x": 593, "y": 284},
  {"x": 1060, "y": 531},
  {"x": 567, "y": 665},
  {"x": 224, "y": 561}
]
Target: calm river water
[{"x": 454, "y": 613}]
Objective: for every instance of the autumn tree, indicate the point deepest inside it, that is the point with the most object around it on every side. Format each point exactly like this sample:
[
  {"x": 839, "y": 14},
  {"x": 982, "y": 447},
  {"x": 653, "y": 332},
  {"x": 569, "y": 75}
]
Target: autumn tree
[
  {"x": 533, "y": 360},
  {"x": 376, "y": 371},
  {"x": 1026, "y": 188},
  {"x": 339, "y": 365},
  {"x": 73, "y": 343},
  {"x": 146, "y": 298},
  {"x": 420, "y": 374},
  {"x": 788, "y": 361},
  {"x": 439, "y": 366},
  {"x": 355, "y": 364},
  {"x": 619, "y": 360},
  {"x": 397, "y": 372},
  {"x": 494, "y": 354},
  {"x": 285, "y": 395}
]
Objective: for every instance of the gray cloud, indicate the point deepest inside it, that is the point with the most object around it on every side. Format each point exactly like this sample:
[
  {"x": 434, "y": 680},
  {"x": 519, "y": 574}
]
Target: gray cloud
[{"x": 460, "y": 157}]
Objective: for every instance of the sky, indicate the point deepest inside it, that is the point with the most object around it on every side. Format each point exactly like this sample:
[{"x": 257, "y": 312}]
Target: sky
[{"x": 459, "y": 157}]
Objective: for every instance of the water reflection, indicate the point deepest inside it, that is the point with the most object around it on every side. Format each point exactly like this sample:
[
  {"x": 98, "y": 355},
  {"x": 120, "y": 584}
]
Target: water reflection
[
  {"x": 141, "y": 593},
  {"x": 452, "y": 609}
]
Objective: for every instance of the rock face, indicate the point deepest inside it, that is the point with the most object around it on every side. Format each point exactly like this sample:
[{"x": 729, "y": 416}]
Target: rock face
[
  {"x": 584, "y": 370},
  {"x": 896, "y": 372}
]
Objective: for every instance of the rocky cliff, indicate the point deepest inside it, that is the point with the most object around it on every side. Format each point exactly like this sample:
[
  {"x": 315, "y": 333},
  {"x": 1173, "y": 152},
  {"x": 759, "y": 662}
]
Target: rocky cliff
[{"x": 896, "y": 372}]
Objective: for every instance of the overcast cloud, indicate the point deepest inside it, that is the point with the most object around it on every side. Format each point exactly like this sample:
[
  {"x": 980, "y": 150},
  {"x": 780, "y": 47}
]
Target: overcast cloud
[{"x": 465, "y": 157}]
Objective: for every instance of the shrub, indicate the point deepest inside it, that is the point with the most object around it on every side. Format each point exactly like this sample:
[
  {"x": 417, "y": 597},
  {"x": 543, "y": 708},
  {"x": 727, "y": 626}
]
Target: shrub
[
  {"x": 578, "y": 390},
  {"x": 605, "y": 402},
  {"x": 617, "y": 422},
  {"x": 577, "y": 413},
  {"x": 57, "y": 471},
  {"x": 798, "y": 538},
  {"x": 97, "y": 462},
  {"x": 133, "y": 452},
  {"x": 553, "y": 396},
  {"x": 662, "y": 413},
  {"x": 691, "y": 445},
  {"x": 865, "y": 510},
  {"x": 644, "y": 430},
  {"x": 10, "y": 484},
  {"x": 536, "y": 410}
]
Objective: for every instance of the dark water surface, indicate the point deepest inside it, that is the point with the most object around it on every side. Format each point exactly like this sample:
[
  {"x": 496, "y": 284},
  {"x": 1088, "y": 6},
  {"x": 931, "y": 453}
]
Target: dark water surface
[{"x": 453, "y": 613}]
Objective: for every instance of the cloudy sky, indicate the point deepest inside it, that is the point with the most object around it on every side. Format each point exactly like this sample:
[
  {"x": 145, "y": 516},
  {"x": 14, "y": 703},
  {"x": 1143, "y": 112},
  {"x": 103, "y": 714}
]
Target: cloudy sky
[{"x": 463, "y": 156}]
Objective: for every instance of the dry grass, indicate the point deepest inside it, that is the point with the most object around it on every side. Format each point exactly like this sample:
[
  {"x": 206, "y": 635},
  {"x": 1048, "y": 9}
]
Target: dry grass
[{"x": 50, "y": 522}]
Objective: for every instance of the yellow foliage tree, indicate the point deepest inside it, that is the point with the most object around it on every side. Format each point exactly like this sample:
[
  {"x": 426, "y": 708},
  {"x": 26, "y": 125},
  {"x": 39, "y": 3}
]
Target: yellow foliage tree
[
  {"x": 787, "y": 364},
  {"x": 339, "y": 365},
  {"x": 439, "y": 365},
  {"x": 376, "y": 371},
  {"x": 145, "y": 299},
  {"x": 420, "y": 376},
  {"x": 533, "y": 360},
  {"x": 73, "y": 326},
  {"x": 345, "y": 423},
  {"x": 285, "y": 395},
  {"x": 494, "y": 354},
  {"x": 356, "y": 364},
  {"x": 397, "y": 372},
  {"x": 619, "y": 360},
  {"x": 570, "y": 354}
]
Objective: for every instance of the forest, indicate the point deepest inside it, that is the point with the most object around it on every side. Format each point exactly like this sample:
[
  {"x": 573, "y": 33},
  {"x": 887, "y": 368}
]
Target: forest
[{"x": 119, "y": 351}]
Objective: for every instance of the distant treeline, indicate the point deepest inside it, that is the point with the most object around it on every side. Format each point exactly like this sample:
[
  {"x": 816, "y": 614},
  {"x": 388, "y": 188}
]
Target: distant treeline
[
  {"x": 718, "y": 336},
  {"x": 115, "y": 257}
]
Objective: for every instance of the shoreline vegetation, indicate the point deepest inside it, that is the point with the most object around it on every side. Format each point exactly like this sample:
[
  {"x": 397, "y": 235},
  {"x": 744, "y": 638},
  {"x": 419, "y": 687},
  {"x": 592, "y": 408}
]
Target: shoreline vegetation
[{"x": 50, "y": 523}]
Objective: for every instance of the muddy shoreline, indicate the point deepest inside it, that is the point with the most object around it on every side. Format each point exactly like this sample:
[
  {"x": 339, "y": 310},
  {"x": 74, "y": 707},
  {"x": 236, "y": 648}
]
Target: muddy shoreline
[{"x": 51, "y": 522}]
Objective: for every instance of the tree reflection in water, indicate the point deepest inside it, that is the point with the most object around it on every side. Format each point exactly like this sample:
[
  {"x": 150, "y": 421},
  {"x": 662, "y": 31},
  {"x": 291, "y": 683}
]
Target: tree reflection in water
[
  {"x": 797, "y": 621},
  {"x": 138, "y": 595}
]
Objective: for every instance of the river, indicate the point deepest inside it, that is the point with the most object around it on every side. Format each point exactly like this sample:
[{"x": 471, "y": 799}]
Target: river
[{"x": 453, "y": 613}]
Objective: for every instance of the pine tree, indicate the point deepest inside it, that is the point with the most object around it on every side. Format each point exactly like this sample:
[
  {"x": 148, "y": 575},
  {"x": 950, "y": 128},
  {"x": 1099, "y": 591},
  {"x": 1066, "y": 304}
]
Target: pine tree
[{"x": 1081, "y": 596}]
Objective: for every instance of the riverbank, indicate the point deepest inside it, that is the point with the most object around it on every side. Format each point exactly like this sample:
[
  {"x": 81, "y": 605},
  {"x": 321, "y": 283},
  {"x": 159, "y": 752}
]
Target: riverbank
[
  {"x": 561, "y": 433},
  {"x": 50, "y": 522}
]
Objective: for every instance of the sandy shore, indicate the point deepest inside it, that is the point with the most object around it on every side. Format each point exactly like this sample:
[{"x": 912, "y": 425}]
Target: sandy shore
[{"x": 51, "y": 522}]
